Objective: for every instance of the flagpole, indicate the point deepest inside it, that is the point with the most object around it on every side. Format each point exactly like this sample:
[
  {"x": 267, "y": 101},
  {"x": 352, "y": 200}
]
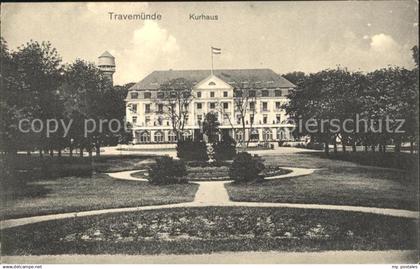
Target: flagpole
[{"x": 211, "y": 52}]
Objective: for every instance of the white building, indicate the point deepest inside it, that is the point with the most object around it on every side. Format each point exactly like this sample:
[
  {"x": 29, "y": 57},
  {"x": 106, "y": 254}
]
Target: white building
[{"x": 213, "y": 92}]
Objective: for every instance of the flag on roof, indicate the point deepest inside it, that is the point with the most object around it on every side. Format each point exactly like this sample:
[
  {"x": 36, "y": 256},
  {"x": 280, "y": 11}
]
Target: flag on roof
[{"x": 216, "y": 50}]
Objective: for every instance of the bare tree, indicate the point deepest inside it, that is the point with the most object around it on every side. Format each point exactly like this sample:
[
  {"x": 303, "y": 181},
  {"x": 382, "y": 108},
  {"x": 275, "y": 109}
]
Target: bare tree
[
  {"x": 176, "y": 96},
  {"x": 244, "y": 95}
]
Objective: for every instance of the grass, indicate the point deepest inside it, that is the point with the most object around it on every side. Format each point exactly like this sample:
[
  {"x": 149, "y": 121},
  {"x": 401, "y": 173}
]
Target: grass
[
  {"x": 68, "y": 194},
  {"x": 337, "y": 182},
  {"x": 212, "y": 229}
]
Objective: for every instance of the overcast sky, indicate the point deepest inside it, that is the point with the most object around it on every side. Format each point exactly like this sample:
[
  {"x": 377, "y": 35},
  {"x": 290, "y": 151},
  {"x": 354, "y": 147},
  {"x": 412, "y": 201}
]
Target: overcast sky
[{"x": 283, "y": 36}]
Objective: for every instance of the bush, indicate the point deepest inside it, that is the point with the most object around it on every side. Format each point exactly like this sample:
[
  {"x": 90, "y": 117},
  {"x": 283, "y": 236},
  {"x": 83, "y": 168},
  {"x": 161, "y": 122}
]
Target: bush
[
  {"x": 225, "y": 149},
  {"x": 166, "y": 170},
  {"x": 246, "y": 167},
  {"x": 189, "y": 150}
]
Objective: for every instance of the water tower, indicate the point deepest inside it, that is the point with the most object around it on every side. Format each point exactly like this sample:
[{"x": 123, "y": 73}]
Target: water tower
[{"x": 106, "y": 63}]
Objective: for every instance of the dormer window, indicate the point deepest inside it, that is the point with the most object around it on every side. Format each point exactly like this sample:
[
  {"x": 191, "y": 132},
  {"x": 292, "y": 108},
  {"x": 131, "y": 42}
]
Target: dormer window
[
  {"x": 134, "y": 95},
  {"x": 211, "y": 83}
]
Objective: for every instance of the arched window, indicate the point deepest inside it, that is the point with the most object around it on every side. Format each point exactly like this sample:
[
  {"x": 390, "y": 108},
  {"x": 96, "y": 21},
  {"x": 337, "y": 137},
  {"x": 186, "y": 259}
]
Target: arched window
[
  {"x": 267, "y": 134},
  {"x": 144, "y": 137},
  {"x": 239, "y": 135},
  {"x": 172, "y": 136},
  {"x": 158, "y": 136},
  {"x": 186, "y": 135},
  {"x": 280, "y": 134},
  {"x": 254, "y": 135}
]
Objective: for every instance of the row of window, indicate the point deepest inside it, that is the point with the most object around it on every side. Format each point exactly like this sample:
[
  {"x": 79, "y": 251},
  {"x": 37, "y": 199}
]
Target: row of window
[
  {"x": 199, "y": 106},
  {"x": 254, "y": 135},
  {"x": 237, "y": 93},
  {"x": 160, "y": 120}
]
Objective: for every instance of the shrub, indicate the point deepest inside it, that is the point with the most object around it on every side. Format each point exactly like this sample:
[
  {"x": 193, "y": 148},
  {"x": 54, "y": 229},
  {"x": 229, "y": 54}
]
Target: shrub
[
  {"x": 225, "y": 149},
  {"x": 246, "y": 167},
  {"x": 166, "y": 170},
  {"x": 189, "y": 150}
]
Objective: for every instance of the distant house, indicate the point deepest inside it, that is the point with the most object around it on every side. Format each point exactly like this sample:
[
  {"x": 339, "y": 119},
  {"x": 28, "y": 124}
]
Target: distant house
[{"x": 213, "y": 92}]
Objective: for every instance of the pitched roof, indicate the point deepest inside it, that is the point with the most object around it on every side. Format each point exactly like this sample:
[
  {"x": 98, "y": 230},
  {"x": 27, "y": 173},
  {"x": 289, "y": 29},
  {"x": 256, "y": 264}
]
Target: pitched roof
[
  {"x": 263, "y": 78},
  {"x": 106, "y": 54}
]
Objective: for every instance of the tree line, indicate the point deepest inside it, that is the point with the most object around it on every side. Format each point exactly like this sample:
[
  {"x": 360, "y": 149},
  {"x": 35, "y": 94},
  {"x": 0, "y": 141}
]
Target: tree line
[
  {"x": 367, "y": 99},
  {"x": 36, "y": 84}
]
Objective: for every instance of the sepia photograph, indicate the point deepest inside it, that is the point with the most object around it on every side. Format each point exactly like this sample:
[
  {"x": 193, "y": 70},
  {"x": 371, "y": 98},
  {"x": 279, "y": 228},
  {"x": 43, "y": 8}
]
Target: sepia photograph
[{"x": 213, "y": 132}]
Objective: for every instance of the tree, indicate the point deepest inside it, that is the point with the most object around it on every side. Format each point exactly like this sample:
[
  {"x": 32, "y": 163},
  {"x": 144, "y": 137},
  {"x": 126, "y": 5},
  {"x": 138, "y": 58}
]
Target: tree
[
  {"x": 245, "y": 102},
  {"x": 176, "y": 99},
  {"x": 87, "y": 97},
  {"x": 296, "y": 77},
  {"x": 211, "y": 127}
]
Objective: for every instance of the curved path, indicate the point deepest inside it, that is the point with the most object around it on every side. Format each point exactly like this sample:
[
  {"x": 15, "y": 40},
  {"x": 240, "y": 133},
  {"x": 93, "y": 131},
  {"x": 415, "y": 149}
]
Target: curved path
[{"x": 211, "y": 193}]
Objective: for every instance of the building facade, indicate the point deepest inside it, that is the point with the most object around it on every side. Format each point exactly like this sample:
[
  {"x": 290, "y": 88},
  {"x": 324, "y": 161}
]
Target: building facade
[{"x": 261, "y": 91}]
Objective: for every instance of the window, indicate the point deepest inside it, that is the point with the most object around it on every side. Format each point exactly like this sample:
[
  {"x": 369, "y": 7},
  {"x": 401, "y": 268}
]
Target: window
[
  {"x": 199, "y": 105},
  {"x": 277, "y": 93},
  {"x": 251, "y": 119},
  {"x": 278, "y": 118},
  {"x": 186, "y": 107},
  {"x": 238, "y": 119},
  {"x": 225, "y": 94},
  {"x": 211, "y": 94},
  {"x": 225, "y": 105},
  {"x": 280, "y": 134},
  {"x": 254, "y": 135},
  {"x": 158, "y": 136},
  {"x": 239, "y": 135},
  {"x": 211, "y": 83},
  {"x": 186, "y": 135},
  {"x": 264, "y": 93},
  {"x": 160, "y": 95},
  {"x": 160, "y": 108},
  {"x": 134, "y": 120},
  {"x": 212, "y": 105},
  {"x": 134, "y": 108},
  {"x": 172, "y": 136},
  {"x": 160, "y": 120},
  {"x": 147, "y": 120},
  {"x": 147, "y": 108},
  {"x": 145, "y": 137},
  {"x": 199, "y": 119},
  {"x": 278, "y": 105},
  {"x": 264, "y": 106},
  {"x": 251, "y": 93},
  {"x": 252, "y": 105},
  {"x": 134, "y": 95},
  {"x": 267, "y": 135},
  {"x": 265, "y": 119},
  {"x": 198, "y": 94},
  {"x": 238, "y": 93},
  {"x": 147, "y": 95}
]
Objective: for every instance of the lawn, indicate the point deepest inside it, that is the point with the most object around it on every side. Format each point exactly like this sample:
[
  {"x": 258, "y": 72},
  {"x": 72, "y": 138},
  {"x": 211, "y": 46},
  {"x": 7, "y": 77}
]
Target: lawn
[
  {"x": 337, "y": 182},
  {"x": 67, "y": 194},
  {"x": 212, "y": 229}
]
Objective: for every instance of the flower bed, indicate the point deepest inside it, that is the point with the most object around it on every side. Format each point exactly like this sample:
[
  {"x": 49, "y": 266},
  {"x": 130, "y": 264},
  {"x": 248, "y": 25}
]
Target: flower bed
[
  {"x": 211, "y": 229},
  {"x": 217, "y": 173}
]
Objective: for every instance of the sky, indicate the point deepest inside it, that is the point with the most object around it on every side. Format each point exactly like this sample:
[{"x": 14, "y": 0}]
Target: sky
[{"x": 282, "y": 36}]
